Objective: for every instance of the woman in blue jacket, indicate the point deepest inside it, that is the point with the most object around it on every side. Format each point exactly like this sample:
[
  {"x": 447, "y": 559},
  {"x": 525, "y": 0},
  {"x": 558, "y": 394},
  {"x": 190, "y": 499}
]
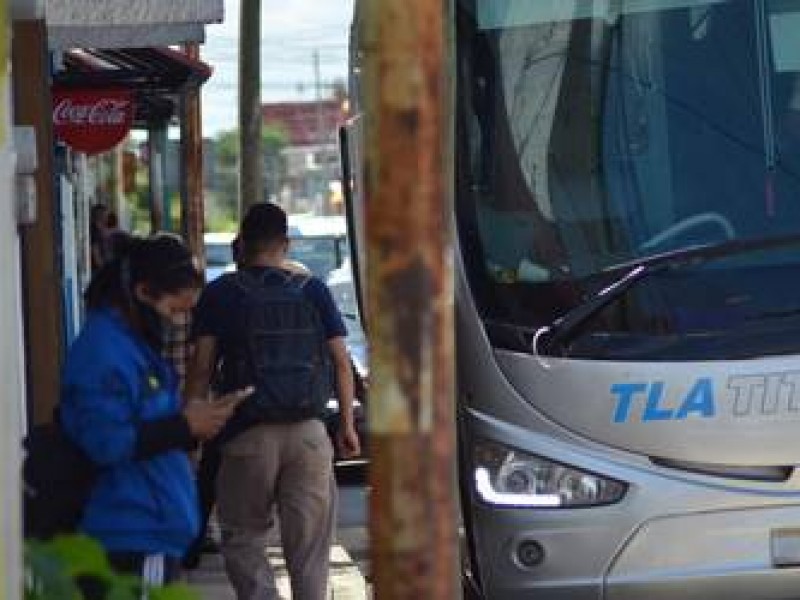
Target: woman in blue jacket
[{"x": 120, "y": 403}]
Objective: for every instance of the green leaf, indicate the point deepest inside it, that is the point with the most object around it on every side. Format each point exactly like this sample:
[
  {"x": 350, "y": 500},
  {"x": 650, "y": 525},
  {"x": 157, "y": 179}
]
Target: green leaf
[
  {"x": 124, "y": 588},
  {"x": 52, "y": 567},
  {"x": 45, "y": 576},
  {"x": 81, "y": 556},
  {"x": 176, "y": 591}
]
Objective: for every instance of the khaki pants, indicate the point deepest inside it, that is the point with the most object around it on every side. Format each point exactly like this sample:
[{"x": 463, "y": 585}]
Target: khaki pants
[{"x": 288, "y": 465}]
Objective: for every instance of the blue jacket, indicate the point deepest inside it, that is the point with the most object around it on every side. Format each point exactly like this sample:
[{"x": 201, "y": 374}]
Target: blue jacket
[{"x": 112, "y": 382}]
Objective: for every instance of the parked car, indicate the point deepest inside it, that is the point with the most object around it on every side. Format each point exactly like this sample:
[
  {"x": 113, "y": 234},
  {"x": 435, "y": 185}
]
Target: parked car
[
  {"x": 319, "y": 242},
  {"x": 219, "y": 254},
  {"x": 340, "y": 282}
]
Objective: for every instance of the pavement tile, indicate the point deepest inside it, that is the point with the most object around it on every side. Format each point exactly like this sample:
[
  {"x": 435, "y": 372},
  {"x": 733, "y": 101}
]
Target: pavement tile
[{"x": 211, "y": 583}]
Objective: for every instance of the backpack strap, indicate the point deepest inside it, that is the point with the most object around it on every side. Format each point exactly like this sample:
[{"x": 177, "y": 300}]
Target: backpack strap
[
  {"x": 297, "y": 281},
  {"x": 247, "y": 281}
]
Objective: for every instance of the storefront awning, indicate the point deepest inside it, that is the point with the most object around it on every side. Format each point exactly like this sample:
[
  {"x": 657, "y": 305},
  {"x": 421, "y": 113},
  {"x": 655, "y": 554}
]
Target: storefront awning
[{"x": 155, "y": 76}]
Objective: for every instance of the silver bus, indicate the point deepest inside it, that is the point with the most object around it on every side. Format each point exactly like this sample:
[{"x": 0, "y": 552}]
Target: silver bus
[{"x": 627, "y": 228}]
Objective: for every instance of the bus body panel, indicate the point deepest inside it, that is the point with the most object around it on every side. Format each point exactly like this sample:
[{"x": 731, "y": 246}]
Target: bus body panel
[{"x": 728, "y": 412}]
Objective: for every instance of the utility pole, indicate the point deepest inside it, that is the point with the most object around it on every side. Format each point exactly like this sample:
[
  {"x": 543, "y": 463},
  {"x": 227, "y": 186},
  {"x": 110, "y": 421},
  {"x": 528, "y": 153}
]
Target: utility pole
[
  {"x": 322, "y": 174},
  {"x": 318, "y": 95},
  {"x": 410, "y": 309},
  {"x": 251, "y": 178}
]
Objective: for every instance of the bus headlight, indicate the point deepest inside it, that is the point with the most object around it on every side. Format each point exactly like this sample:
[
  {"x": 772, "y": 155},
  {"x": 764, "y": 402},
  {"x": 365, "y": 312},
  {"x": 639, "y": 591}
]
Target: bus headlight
[{"x": 507, "y": 477}]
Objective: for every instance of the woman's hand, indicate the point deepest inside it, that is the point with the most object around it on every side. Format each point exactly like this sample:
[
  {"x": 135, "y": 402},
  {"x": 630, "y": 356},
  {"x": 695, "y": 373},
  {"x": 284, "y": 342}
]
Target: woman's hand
[{"x": 206, "y": 419}]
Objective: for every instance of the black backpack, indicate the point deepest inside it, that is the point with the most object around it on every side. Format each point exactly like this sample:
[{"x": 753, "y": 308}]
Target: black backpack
[
  {"x": 282, "y": 349},
  {"x": 58, "y": 478}
]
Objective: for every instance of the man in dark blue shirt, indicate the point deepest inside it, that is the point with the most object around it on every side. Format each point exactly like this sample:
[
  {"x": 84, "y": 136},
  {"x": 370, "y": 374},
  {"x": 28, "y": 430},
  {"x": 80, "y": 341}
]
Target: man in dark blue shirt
[{"x": 270, "y": 460}]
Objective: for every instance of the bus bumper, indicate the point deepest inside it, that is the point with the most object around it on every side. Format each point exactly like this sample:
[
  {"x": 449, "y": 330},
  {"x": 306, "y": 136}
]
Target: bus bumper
[{"x": 743, "y": 554}]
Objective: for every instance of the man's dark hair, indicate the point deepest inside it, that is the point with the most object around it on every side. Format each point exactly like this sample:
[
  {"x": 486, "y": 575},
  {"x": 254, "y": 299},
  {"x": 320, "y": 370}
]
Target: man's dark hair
[{"x": 263, "y": 225}]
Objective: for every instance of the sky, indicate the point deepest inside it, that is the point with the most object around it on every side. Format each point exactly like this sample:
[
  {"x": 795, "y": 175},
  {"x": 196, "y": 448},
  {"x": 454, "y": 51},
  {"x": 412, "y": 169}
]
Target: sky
[{"x": 291, "y": 32}]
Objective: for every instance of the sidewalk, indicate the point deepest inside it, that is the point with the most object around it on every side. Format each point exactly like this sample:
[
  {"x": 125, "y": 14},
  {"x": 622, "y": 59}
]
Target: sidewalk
[
  {"x": 348, "y": 583},
  {"x": 349, "y": 555}
]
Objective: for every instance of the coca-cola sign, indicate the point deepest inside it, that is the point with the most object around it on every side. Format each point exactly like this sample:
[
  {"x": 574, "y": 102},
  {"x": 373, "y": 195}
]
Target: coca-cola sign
[{"x": 92, "y": 121}]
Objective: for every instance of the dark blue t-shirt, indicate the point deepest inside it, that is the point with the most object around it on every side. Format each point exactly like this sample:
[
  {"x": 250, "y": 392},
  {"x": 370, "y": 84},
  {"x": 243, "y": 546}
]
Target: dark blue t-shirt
[{"x": 221, "y": 302}]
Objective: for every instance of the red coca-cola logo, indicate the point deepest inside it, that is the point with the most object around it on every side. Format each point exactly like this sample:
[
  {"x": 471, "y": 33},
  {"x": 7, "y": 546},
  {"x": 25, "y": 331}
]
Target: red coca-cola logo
[{"x": 92, "y": 121}]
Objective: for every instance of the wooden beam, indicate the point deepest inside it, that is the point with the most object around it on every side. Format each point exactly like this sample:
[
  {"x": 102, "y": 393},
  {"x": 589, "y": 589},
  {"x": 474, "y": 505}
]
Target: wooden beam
[
  {"x": 44, "y": 337},
  {"x": 192, "y": 207}
]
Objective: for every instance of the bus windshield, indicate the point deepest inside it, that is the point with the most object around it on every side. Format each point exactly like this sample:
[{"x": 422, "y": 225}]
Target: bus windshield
[{"x": 594, "y": 133}]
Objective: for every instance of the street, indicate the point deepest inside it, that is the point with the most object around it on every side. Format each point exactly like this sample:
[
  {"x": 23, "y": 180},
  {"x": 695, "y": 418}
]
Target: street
[{"x": 352, "y": 525}]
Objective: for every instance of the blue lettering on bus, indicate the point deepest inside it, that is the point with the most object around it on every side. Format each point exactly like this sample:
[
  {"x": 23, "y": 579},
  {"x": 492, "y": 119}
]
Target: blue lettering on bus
[
  {"x": 625, "y": 393},
  {"x": 699, "y": 401},
  {"x": 653, "y": 411}
]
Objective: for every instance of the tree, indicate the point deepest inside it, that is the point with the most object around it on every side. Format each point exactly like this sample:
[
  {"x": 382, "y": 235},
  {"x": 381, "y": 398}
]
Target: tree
[
  {"x": 274, "y": 139},
  {"x": 223, "y": 207},
  {"x": 227, "y": 145}
]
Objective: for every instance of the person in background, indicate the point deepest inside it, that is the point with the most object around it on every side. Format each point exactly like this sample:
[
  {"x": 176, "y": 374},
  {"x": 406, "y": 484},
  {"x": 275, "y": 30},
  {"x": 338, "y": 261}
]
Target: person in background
[
  {"x": 115, "y": 239},
  {"x": 98, "y": 225},
  {"x": 120, "y": 404},
  {"x": 282, "y": 458},
  {"x": 210, "y": 453}
]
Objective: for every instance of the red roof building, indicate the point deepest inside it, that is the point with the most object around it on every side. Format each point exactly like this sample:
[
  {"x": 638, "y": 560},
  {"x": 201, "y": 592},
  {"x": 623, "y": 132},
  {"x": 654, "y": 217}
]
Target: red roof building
[{"x": 307, "y": 123}]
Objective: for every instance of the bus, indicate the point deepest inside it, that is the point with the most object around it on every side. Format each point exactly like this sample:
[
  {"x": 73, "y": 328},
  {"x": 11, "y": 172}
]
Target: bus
[{"x": 627, "y": 249}]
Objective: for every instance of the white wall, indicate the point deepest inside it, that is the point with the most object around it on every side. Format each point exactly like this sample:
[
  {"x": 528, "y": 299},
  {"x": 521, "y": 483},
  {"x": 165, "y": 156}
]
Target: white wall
[{"x": 11, "y": 346}]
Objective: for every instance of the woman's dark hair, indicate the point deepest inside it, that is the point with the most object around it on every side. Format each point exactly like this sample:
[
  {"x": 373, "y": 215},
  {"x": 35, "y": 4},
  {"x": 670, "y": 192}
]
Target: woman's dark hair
[{"x": 162, "y": 262}]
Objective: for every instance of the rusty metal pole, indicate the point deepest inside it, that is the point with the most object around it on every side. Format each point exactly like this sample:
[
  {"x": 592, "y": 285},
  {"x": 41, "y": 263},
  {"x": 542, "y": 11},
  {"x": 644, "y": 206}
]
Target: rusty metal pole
[
  {"x": 251, "y": 163},
  {"x": 410, "y": 291}
]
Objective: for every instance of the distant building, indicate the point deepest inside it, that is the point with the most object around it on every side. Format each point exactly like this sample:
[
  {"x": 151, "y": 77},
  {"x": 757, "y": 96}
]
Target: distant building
[
  {"x": 306, "y": 123},
  {"x": 312, "y": 155}
]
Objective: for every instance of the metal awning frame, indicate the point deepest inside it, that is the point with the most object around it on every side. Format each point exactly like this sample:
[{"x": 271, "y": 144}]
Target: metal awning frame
[{"x": 156, "y": 76}]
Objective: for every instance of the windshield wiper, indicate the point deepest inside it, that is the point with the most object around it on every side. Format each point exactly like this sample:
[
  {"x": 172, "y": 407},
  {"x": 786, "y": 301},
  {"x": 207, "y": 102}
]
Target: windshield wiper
[{"x": 548, "y": 338}]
